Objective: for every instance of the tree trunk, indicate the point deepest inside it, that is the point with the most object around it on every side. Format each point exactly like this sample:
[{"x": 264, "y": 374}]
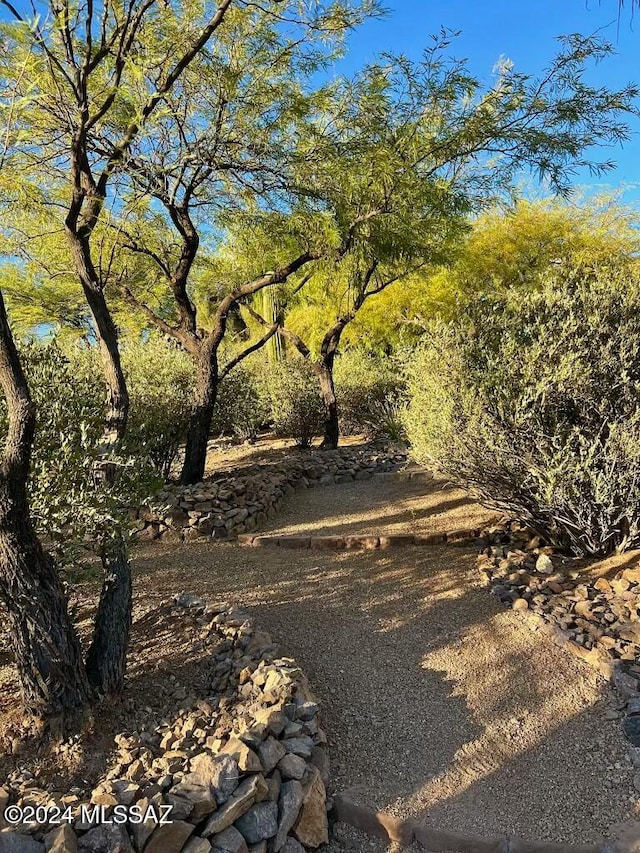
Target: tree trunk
[
  {"x": 117, "y": 393},
  {"x": 324, "y": 371},
  {"x": 45, "y": 644},
  {"x": 107, "y": 334},
  {"x": 107, "y": 656},
  {"x": 205, "y": 393},
  {"x": 46, "y": 647}
]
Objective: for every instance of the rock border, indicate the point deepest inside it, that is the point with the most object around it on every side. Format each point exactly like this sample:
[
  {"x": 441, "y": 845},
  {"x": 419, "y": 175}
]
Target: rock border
[
  {"x": 225, "y": 506},
  {"x": 368, "y": 542},
  {"x": 245, "y": 769}
]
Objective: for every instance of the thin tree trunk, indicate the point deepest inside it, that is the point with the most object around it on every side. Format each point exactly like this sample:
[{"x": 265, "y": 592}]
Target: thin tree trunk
[
  {"x": 205, "y": 393},
  {"x": 46, "y": 647},
  {"x": 107, "y": 333},
  {"x": 107, "y": 656},
  {"x": 324, "y": 372}
]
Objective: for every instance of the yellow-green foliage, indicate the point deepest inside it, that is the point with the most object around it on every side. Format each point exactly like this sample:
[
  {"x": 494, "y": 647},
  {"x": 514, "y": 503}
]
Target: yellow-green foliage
[{"x": 531, "y": 400}]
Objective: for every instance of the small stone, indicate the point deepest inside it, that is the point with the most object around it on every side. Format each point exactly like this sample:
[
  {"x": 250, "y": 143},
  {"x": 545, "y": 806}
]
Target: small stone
[
  {"x": 544, "y": 565},
  {"x": 169, "y": 837},
  {"x": 62, "y": 839},
  {"x": 259, "y": 823},
  {"x": 291, "y": 797},
  {"x": 312, "y": 827},
  {"x": 270, "y": 752},
  {"x": 292, "y": 766},
  {"x": 229, "y": 841}
]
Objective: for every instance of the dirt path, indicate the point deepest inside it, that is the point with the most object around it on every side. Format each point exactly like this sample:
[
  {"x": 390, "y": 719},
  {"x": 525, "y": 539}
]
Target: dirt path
[{"x": 436, "y": 700}]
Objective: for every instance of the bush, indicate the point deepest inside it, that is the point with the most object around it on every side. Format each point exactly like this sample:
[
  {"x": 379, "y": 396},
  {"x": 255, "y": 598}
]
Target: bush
[
  {"x": 160, "y": 379},
  {"x": 369, "y": 389},
  {"x": 242, "y": 407},
  {"x": 296, "y": 406},
  {"x": 73, "y": 511},
  {"x": 532, "y": 403}
]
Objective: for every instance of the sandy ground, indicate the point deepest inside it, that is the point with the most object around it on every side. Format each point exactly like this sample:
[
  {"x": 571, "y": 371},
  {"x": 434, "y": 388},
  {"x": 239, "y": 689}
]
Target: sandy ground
[{"x": 437, "y": 702}]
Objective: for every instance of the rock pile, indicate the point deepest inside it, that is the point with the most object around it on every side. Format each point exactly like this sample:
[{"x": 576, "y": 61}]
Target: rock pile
[
  {"x": 595, "y": 618},
  {"x": 228, "y": 505},
  {"x": 595, "y": 614},
  {"x": 242, "y": 770}
]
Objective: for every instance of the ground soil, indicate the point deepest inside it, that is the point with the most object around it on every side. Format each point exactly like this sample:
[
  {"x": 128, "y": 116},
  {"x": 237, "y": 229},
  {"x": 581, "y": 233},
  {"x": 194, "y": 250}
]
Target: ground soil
[{"x": 438, "y": 703}]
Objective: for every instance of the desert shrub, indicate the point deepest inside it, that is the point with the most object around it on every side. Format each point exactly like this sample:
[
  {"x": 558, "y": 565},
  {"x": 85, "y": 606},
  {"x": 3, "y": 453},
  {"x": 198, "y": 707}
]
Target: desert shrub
[
  {"x": 160, "y": 379},
  {"x": 74, "y": 510},
  {"x": 532, "y": 402},
  {"x": 369, "y": 390},
  {"x": 242, "y": 407},
  {"x": 294, "y": 395}
]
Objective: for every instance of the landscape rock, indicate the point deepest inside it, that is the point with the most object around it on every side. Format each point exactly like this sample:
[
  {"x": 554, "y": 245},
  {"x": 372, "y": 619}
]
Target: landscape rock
[
  {"x": 229, "y": 841},
  {"x": 259, "y": 823},
  {"x": 312, "y": 827}
]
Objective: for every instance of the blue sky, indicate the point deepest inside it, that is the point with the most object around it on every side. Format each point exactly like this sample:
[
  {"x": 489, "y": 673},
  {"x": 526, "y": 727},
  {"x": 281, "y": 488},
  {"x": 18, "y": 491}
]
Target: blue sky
[{"x": 525, "y": 32}]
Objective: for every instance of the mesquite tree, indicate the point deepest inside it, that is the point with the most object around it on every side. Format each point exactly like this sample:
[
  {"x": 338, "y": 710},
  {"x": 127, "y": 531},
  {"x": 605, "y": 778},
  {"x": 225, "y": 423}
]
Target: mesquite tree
[
  {"x": 94, "y": 95},
  {"x": 47, "y": 650},
  {"x": 225, "y": 148},
  {"x": 417, "y": 147}
]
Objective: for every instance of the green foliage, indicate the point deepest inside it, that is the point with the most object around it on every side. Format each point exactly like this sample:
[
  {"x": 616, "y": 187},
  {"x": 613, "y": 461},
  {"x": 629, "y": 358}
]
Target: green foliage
[
  {"x": 296, "y": 406},
  {"x": 369, "y": 390},
  {"x": 242, "y": 407},
  {"x": 531, "y": 402},
  {"x": 160, "y": 379},
  {"x": 74, "y": 510}
]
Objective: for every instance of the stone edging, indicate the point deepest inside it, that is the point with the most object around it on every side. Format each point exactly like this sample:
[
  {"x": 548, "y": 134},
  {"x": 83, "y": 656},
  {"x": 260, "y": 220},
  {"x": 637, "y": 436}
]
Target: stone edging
[
  {"x": 366, "y": 542},
  {"x": 224, "y": 506},
  {"x": 625, "y": 837},
  {"x": 242, "y": 767}
]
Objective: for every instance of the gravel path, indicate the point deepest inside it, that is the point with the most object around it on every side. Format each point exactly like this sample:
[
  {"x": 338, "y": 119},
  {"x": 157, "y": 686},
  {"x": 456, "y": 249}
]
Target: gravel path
[{"x": 437, "y": 701}]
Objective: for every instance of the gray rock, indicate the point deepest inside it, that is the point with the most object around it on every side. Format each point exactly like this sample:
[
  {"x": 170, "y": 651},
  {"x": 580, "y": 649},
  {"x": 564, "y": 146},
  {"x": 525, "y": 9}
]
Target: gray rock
[
  {"x": 292, "y": 766},
  {"x": 631, "y": 729},
  {"x": 270, "y": 752},
  {"x": 105, "y": 839},
  {"x": 293, "y": 846},
  {"x": 259, "y": 823},
  {"x": 13, "y": 842},
  {"x": 229, "y": 841},
  {"x": 302, "y": 746},
  {"x": 253, "y": 788},
  {"x": 289, "y": 804}
]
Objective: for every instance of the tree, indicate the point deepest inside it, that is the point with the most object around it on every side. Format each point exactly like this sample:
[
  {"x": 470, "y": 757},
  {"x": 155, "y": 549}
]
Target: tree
[
  {"x": 417, "y": 147},
  {"x": 48, "y": 656},
  {"x": 505, "y": 248},
  {"x": 224, "y": 150}
]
